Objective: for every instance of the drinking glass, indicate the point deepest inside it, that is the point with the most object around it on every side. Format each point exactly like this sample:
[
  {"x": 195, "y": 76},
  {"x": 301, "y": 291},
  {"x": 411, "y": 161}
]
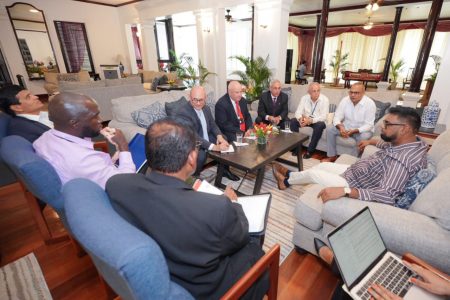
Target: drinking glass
[
  {"x": 287, "y": 126},
  {"x": 239, "y": 136}
]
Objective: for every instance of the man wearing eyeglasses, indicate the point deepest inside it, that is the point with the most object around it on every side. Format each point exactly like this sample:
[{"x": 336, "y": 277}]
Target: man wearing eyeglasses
[
  {"x": 354, "y": 118},
  {"x": 381, "y": 177},
  {"x": 197, "y": 115}
]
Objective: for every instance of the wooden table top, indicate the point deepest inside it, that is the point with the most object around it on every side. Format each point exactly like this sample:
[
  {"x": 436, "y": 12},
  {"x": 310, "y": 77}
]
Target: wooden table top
[{"x": 253, "y": 157}]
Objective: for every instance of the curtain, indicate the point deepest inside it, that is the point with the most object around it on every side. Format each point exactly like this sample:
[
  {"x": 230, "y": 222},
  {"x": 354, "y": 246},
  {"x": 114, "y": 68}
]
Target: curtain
[
  {"x": 292, "y": 43},
  {"x": 72, "y": 38},
  {"x": 237, "y": 46}
]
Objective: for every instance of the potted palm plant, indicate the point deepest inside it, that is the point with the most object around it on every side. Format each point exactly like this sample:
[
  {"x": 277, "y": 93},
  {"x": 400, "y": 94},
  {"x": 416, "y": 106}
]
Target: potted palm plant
[
  {"x": 396, "y": 68},
  {"x": 338, "y": 62},
  {"x": 256, "y": 76},
  {"x": 188, "y": 71}
]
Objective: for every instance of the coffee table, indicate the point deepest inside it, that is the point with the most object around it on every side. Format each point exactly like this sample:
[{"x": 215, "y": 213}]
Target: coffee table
[{"x": 254, "y": 157}]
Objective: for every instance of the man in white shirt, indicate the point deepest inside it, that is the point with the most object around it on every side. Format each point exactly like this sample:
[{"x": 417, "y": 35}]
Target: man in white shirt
[
  {"x": 28, "y": 120},
  {"x": 354, "y": 118},
  {"x": 312, "y": 112}
]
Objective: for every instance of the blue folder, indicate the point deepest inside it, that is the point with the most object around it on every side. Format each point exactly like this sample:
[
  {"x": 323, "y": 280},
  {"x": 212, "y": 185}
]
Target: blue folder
[{"x": 137, "y": 150}]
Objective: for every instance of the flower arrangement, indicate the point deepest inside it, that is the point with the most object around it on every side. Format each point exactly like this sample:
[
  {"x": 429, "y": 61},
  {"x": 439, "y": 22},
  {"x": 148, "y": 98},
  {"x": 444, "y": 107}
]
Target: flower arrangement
[{"x": 263, "y": 132}]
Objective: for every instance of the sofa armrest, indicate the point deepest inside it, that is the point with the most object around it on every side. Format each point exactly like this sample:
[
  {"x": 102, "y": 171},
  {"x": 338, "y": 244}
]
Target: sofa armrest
[
  {"x": 402, "y": 230},
  {"x": 369, "y": 150}
]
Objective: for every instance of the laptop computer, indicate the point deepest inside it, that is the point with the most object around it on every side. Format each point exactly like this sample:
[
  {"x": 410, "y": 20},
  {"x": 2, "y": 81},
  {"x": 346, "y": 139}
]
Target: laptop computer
[{"x": 363, "y": 259}]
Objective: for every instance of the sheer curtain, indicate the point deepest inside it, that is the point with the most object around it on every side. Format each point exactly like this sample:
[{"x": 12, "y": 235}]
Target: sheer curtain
[
  {"x": 367, "y": 52},
  {"x": 185, "y": 38},
  {"x": 292, "y": 43},
  {"x": 239, "y": 42}
]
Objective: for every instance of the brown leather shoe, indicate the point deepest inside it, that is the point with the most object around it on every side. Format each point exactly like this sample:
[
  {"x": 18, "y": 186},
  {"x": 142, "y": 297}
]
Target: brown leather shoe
[
  {"x": 279, "y": 178},
  {"x": 329, "y": 159},
  {"x": 280, "y": 169}
]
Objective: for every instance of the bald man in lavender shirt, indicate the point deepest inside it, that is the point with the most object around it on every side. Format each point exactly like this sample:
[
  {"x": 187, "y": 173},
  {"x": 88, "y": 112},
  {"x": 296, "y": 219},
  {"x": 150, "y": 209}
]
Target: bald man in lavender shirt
[{"x": 68, "y": 147}]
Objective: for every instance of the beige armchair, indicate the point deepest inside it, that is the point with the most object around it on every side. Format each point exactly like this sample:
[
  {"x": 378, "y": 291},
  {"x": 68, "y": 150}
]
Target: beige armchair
[{"x": 52, "y": 79}]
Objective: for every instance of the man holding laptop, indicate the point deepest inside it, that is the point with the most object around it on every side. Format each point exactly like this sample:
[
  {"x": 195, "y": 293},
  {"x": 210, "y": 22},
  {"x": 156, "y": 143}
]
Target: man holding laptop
[{"x": 204, "y": 237}]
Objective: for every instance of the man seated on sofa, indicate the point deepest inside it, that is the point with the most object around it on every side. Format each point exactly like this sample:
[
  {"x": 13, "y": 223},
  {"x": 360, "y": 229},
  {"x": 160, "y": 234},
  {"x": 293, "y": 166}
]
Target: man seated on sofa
[
  {"x": 312, "y": 111},
  {"x": 273, "y": 106},
  {"x": 68, "y": 147},
  {"x": 232, "y": 116},
  {"x": 204, "y": 237},
  {"x": 198, "y": 116},
  {"x": 28, "y": 120},
  {"x": 380, "y": 177},
  {"x": 354, "y": 118}
]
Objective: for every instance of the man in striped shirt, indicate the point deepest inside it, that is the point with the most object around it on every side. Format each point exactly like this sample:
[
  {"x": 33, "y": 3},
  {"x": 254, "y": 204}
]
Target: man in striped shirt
[{"x": 380, "y": 177}]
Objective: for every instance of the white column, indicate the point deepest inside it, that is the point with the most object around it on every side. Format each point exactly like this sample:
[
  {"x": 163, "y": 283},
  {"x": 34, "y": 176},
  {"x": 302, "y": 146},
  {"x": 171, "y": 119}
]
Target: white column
[
  {"x": 211, "y": 46},
  {"x": 441, "y": 90},
  {"x": 270, "y": 33},
  {"x": 148, "y": 43}
]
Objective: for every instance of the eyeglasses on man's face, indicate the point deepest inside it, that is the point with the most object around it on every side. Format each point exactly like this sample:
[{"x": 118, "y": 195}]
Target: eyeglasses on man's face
[
  {"x": 354, "y": 92},
  {"x": 198, "y": 100},
  {"x": 386, "y": 124}
]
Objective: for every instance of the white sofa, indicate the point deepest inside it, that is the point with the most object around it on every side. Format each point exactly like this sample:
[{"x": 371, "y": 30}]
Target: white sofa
[
  {"x": 335, "y": 95},
  {"x": 423, "y": 230}
]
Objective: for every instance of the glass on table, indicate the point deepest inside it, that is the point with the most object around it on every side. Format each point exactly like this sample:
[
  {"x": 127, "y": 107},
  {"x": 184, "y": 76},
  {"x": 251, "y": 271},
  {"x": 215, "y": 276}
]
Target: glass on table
[{"x": 239, "y": 136}]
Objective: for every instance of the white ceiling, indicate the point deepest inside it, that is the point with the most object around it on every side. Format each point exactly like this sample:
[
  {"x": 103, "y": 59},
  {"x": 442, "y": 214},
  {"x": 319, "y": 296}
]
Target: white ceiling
[{"x": 386, "y": 14}]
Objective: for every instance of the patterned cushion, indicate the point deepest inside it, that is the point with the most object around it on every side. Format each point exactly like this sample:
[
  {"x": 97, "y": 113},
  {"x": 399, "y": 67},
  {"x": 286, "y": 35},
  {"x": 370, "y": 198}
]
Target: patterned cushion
[
  {"x": 381, "y": 109},
  {"x": 416, "y": 184},
  {"x": 211, "y": 102},
  {"x": 68, "y": 77},
  {"x": 288, "y": 92},
  {"x": 331, "y": 108},
  {"x": 171, "y": 107},
  {"x": 155, "y": 83},
  {"x": 149, "y": 114},
  {"x": 163, "y": 80}
]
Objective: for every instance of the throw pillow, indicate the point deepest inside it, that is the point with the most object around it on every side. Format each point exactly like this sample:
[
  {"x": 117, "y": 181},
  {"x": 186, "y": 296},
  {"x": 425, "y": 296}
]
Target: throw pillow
[
  {"x": 331, "y": 108},
  {"x": 288, "y": 92},
  {"x": 171, "y": 107},
  {"x": 381, "y": 109},
  {"x": 163, "y": 80},
  {"x": 433, "y": 200},
  {"x": 149, "y": 114},
  {"x": 211, "y": 103},
  {"x": 68, "y": 77},
  {"x": 155, "y": 83},
  {"x": 416, "y": 184}
]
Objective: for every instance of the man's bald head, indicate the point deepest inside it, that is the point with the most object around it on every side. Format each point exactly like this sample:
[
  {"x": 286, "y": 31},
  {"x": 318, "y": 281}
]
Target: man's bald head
[
  {"x": 197, "y": 97},
  {"x": 75, "y": 114},
  {"x": 235, "y": 90}
]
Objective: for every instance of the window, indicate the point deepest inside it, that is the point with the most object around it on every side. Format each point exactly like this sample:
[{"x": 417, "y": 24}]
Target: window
[
  {"x": 164, "y": 40},
  {"x": 74, "y": 46}
]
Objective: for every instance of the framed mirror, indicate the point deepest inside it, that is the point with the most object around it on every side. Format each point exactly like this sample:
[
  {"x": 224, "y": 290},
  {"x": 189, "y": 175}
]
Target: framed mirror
[{"x": 32, "y": 37}]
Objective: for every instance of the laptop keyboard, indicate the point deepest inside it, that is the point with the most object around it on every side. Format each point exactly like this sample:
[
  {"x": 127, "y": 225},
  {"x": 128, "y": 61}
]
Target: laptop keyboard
[{"x": 392, "y": 275}]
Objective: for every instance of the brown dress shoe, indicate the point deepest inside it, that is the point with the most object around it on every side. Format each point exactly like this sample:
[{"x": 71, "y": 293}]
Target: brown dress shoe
[
  {"x": 329, "y": 159},
  {"x": 279, "y": 178},
  {"x": 280, "y": 169}
]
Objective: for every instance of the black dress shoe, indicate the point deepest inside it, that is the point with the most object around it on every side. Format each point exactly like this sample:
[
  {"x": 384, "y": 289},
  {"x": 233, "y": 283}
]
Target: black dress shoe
[
  {"x": 334, "y": 268},
  {"x": 307, "y": 155},
  {"x": 231, "y": 176}
]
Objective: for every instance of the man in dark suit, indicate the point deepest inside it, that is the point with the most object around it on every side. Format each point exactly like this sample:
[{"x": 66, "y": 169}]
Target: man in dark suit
[
  {"x": 232, "y": 116},
  {"x": 198, "y": 116},
  {"x": 273, "y": 106},
  {"x": 204, "y": 237},
  {"x": 28, "y": 121}
]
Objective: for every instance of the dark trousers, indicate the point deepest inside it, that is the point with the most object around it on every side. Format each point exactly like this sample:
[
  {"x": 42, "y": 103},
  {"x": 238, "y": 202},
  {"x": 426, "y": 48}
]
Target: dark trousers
[
  {"x": 318, "y": 128},
  {"x": 201, "y": 159},
  {"x": 261, "y": 120}
]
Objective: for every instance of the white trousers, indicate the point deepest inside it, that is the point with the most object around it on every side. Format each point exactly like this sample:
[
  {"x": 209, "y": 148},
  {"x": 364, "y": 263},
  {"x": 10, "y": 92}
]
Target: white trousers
[{"x": 326, "y": 174}]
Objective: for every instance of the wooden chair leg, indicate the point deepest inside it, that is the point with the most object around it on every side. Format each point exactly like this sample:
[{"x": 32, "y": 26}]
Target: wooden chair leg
[{"x": 38, "y": 217}]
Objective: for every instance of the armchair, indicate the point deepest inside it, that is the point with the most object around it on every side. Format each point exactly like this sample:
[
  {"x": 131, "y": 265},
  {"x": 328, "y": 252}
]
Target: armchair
[
  {"x": 39, "y": 181},
  {"x": 130, "y": 261}
]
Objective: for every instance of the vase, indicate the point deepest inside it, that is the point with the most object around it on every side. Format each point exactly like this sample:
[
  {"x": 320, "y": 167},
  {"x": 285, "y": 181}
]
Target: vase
[
  {"x": 430, "y": 115},
  {"x": 261, "y": 140}
]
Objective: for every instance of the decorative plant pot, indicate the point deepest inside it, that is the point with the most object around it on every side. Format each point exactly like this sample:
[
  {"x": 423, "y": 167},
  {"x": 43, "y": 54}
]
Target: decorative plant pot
[
  {"x": 261, "y": 140},
  {"x": 430, "y": 115}
]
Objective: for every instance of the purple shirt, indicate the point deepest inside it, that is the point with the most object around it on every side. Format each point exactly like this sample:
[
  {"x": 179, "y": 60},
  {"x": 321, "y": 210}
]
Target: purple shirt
[
  {"x": 73, "y": 157},
  {"x": 382, "y": 176}
]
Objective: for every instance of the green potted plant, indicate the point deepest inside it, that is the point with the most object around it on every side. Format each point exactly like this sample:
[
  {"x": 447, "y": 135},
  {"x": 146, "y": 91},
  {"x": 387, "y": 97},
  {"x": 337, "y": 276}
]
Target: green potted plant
[
  {"x": 396, "y": 68},
  {"x": 338, "y": 62},
  {"x": 256, "y": 76},
  {"x": 188, "y": 71}
]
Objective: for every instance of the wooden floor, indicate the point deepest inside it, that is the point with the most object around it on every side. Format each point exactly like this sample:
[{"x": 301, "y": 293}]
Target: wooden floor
[{"x": 71, "y": 277}]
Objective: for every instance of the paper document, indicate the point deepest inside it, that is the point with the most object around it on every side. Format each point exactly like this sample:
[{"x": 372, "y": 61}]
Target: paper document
[
  {"x": 230, "y": 149},
  {"x": 286, "y": 131},
  {"x": 255, "y": 207},
  {"x": 237, "y": 144}
]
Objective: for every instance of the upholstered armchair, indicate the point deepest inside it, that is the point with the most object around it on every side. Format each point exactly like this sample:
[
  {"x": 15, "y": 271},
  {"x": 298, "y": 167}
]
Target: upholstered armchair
[{"x": 129, "y": 260}]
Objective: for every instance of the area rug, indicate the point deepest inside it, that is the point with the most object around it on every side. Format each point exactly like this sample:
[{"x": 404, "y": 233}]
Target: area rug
[
  {"x": 23, "y": 279},
  {"x": 281, "y": 221}
]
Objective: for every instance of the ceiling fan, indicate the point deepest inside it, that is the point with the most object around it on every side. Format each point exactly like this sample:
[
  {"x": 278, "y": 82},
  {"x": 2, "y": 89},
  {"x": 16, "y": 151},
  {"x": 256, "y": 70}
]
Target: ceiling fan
[{"x": 228, "y": 17}]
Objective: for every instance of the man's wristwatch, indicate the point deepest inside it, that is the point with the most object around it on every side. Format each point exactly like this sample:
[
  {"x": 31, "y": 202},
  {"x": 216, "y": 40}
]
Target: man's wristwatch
[{"x": 347, "y": 191}]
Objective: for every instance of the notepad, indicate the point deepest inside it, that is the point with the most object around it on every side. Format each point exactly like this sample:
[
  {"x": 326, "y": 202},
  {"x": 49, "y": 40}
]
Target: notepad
[
  {"x": 256, "y": 207},
  {"x": 230, "y": 149}
]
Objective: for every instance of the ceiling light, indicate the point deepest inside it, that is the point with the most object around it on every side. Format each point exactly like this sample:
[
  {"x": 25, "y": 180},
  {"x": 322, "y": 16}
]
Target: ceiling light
[
  {"x": 372, "y": 6},
  {"x": 375, "y": 6},
  {"x": 368, "y": 26},
  {"x": 34, "y": 10}
]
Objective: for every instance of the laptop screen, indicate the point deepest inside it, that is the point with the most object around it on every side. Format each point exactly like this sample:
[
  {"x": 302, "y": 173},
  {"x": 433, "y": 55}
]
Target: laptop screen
[{"x": 357, "y": 245}]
